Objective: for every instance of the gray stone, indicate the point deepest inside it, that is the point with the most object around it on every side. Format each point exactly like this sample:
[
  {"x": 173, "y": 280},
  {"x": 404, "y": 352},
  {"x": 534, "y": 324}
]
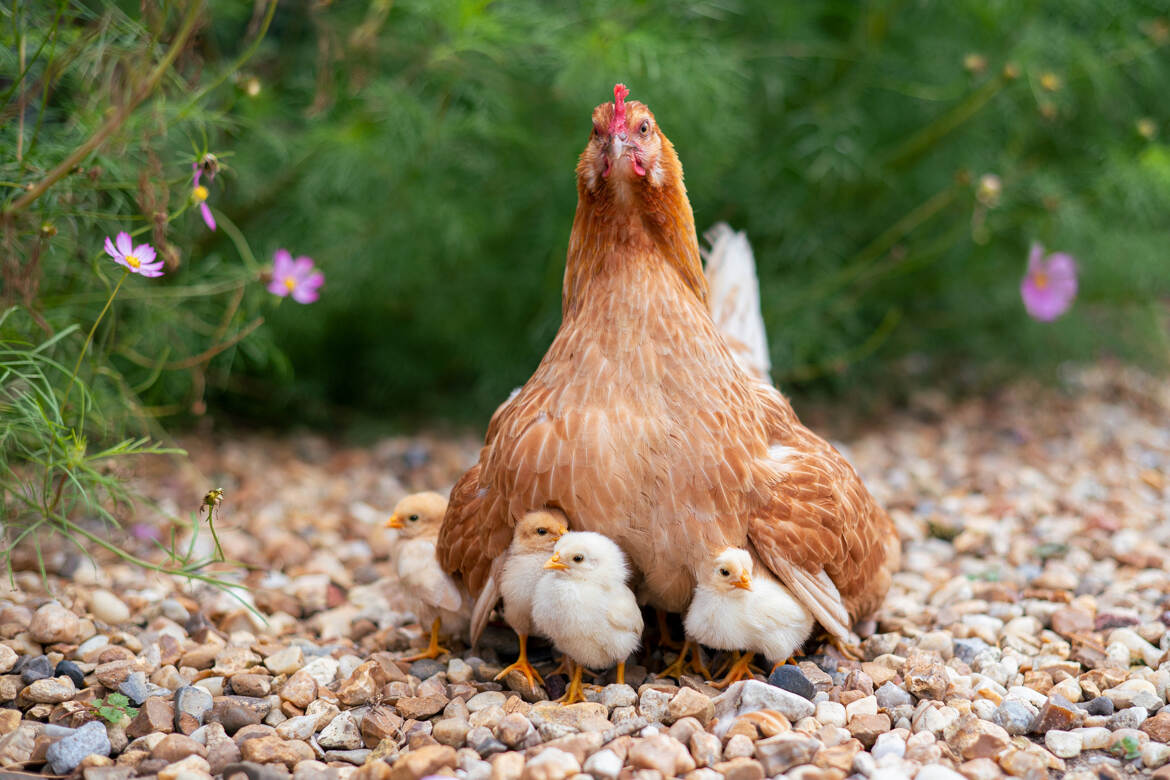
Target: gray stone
[
  {"x": 1129, "y": 718},
  {"x": 65, "y": 754},
  {"x": 890, "y": 696},
  {"x": 342, "y": 733},
  {"x": 134, "y": 688},
  {"x": 1016, "y": 717},
  {"x": 480, "y": 740},
  {"x": 194, "y": 701},
  {"x": 967, "y": 649},
  {"x": 35, "y": 668}
]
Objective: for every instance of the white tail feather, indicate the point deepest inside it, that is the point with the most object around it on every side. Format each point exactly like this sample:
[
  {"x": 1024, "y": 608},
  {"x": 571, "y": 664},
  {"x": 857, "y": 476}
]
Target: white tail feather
[{"x": 735, "y": 299}]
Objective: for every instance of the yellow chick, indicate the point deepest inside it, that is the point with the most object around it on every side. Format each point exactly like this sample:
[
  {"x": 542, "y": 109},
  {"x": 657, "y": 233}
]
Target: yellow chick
[
  {"x": 439, "y": 599},
  {"x": 582, "y": 603},
  {"x": 733, "y": 611},
  {"x": 514, "y": 577}
]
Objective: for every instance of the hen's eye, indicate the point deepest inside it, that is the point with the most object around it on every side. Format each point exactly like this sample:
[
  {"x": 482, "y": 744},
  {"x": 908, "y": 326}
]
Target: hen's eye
[
  {"x": 578, "y": 558},
  {"x": 645, "y": 128},
  {"x": 413, "y": 518},
  {"x": 541, "y": 531},
  {"x": 724, "y": 573}
]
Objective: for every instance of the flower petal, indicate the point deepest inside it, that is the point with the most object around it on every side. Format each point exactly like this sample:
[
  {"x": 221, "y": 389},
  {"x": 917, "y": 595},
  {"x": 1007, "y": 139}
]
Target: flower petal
[
  {"x": 1035, "y": 255},
  {"x": 198, "y": 173},
  {"x": 282, "y": 262},
  {"x": 152, "y": 272},
  {"x": 125, "y": 244},
  {"x": 145, "y": 253},
  {"x": 314, "y": 280},
  {"x": 207, "y": 218},
  {"x": 302, "y": 266},
  {"x": 303, "y": 294},
  {"x": 110, "y": 250},
  {"x": 277, "y": 287},
  {"x": 120, "y": 260}
]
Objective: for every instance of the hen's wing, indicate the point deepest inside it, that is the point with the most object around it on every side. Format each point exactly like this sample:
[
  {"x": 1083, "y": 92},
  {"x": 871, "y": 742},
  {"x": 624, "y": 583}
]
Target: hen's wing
[
  {"x": 487, "y": 600},
  {"x": 822, "y": 534},
  {"x": 735, "y": 299}
]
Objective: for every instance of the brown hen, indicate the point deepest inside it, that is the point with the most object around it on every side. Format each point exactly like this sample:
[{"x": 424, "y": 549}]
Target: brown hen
[{"x": 639, "y": 424}]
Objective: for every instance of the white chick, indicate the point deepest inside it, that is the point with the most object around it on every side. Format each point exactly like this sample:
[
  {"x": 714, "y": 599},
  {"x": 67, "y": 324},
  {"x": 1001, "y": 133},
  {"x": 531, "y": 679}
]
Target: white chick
[
  {"x": 582, "y": 603},
  {"x": 439, "y": 599},
  {"x": 733, "y": 611}
]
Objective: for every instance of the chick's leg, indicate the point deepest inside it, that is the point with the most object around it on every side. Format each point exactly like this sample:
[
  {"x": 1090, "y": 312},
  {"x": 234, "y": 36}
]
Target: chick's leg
[
  {"x": 681, "y": 665},
  {"x": 621, "y": 673},
  {"x": 522, "y": 665},
  {"x": 741, "y": 669},
  {"x": 434, "y": 649},
  {"x": 575, "y": 692}
]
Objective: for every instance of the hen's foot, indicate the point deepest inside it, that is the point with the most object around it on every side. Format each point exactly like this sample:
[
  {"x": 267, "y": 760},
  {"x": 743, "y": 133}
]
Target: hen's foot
[
  {"x": 523, "y": 666},
  {"x": 434, "y": 649}
]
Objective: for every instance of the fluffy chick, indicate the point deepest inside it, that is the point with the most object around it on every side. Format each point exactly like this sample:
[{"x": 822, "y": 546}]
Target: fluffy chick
[
  {"x": 582, "y": 603},
  {"x": 438, "y": 599},
  {"x": 535, "y": 538},
  {"x": 733, "y": 611}
]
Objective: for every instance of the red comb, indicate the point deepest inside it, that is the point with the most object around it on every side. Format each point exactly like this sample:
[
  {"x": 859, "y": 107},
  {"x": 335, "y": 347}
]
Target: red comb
[{"x": 619, "y": 107}]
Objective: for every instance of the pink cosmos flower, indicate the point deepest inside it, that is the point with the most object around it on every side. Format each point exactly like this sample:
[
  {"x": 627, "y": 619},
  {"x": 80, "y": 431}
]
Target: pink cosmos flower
[
  {"x": 199, "y": 194},
  {"x": 1049, "y": 287},
  {"x": 295, "y": 277},
  {"x": 137, "y": 259}
]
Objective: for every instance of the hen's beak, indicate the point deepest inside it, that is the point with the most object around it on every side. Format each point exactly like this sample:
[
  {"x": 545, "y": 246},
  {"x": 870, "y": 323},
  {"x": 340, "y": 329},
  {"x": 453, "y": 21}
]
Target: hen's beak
[
  {"x": 395, "y": 522},
  {"x": 618, "y": 145},
  {"x": 555, "y": 562},
  {"x": 744, "y": 582}
]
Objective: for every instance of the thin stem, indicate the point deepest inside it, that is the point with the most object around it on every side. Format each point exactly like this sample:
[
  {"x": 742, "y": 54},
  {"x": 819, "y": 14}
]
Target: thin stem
[
  {"x": 89, "y": 337},
  {"x": 235, "y": 66},
  {"x": 114, "y": 122}
]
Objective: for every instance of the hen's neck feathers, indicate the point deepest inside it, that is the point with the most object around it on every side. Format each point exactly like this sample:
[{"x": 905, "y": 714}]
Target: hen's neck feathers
[{"x": 651, "y": 225}]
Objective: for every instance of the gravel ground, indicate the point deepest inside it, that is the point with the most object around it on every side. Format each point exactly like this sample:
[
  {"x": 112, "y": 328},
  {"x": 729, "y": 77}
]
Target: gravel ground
[{"x": 1025, "y": 635}]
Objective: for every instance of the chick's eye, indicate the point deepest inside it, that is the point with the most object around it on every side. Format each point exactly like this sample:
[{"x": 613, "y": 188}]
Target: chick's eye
[
  {"x": 413, "y": 518},
  {"x": 578, "y": 558},
  {"x": 645, "y": 128},
  {"x": 724, "y": 573},
  {"x": 541, "y": 531}
]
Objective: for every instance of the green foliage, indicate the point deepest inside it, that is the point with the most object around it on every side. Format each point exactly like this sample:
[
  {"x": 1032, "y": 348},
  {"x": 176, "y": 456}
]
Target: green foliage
[
  {"x": 115, "y": 709},
  {"x": 100, "y": 129},
  {"x": 423, "y": 151}
]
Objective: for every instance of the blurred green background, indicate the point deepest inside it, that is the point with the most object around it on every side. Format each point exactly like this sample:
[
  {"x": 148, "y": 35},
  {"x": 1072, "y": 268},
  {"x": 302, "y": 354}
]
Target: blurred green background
[{"x": 422, "y": 152}]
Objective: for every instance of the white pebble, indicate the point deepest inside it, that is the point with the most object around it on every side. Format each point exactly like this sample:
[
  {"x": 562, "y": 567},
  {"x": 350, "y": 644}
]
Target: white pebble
[
  {"x": 1063, "y": 744},
  {"x": 831, "y": 713}
]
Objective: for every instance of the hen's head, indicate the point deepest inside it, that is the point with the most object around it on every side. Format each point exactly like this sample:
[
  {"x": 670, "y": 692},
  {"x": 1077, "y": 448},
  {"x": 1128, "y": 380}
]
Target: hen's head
[{"x": 626, "y": 149}]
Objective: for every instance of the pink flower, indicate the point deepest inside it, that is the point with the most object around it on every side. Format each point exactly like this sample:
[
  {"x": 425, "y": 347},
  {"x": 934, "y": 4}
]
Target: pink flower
[
  {"x": 137, "y": 259},
  {"x": 295, "y": 277},
  {"x": 199, "y": 194},
  {"x": 1049, "y": 287}
]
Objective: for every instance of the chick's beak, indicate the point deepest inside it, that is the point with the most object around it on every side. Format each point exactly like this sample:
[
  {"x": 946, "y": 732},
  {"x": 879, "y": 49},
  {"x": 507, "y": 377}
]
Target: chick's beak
[
  {"x": 744, "y": 582},
  {"x": 395, "y": 522},
  {"x": 555, "y": 562},
  {"x": 559, "y": 532}
]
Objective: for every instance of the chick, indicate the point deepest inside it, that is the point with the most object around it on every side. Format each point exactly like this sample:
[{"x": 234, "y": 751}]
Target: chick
[
  {"x": 439, "y": 599},
  {"x": 535, "y": 538},
  {"x": 582, "y": 603},
  {"x": 731, "y": 611}
]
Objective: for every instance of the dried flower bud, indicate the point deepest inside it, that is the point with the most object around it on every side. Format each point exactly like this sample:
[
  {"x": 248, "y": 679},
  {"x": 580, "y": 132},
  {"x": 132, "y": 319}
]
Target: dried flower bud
[
  {"x": 975, "y": 63},
  {"x": 1146, "y": 128},
  {"x": 989, "y": 190},
  {"x": 209, "y": 165},
  {"x": 1011, "y": 71},
  {"x": 251, "y": 86},
  {"x": 1050, "y": 81},
  {"x": 48, "y": 230}
]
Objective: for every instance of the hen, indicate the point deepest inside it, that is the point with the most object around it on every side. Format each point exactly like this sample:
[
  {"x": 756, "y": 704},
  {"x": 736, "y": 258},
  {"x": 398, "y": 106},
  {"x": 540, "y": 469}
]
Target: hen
[{"x": 639, "y": 423}]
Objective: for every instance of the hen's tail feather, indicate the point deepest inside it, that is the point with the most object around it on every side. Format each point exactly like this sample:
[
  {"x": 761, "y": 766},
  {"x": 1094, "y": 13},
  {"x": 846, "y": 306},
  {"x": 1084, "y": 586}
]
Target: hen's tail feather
[
  {"x": 484, "y": 604},
  {"x": 735, "y": 299}
]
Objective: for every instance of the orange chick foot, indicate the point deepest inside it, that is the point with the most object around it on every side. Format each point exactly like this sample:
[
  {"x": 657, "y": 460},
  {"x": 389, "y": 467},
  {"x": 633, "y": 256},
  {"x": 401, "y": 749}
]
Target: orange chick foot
[{"x": 741, "y": 669}]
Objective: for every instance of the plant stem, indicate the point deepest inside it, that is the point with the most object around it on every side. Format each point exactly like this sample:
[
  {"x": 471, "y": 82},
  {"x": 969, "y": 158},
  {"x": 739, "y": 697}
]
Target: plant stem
[
  {"x": 114, "y": 122},
  {"x": 89, "y": 338}
]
